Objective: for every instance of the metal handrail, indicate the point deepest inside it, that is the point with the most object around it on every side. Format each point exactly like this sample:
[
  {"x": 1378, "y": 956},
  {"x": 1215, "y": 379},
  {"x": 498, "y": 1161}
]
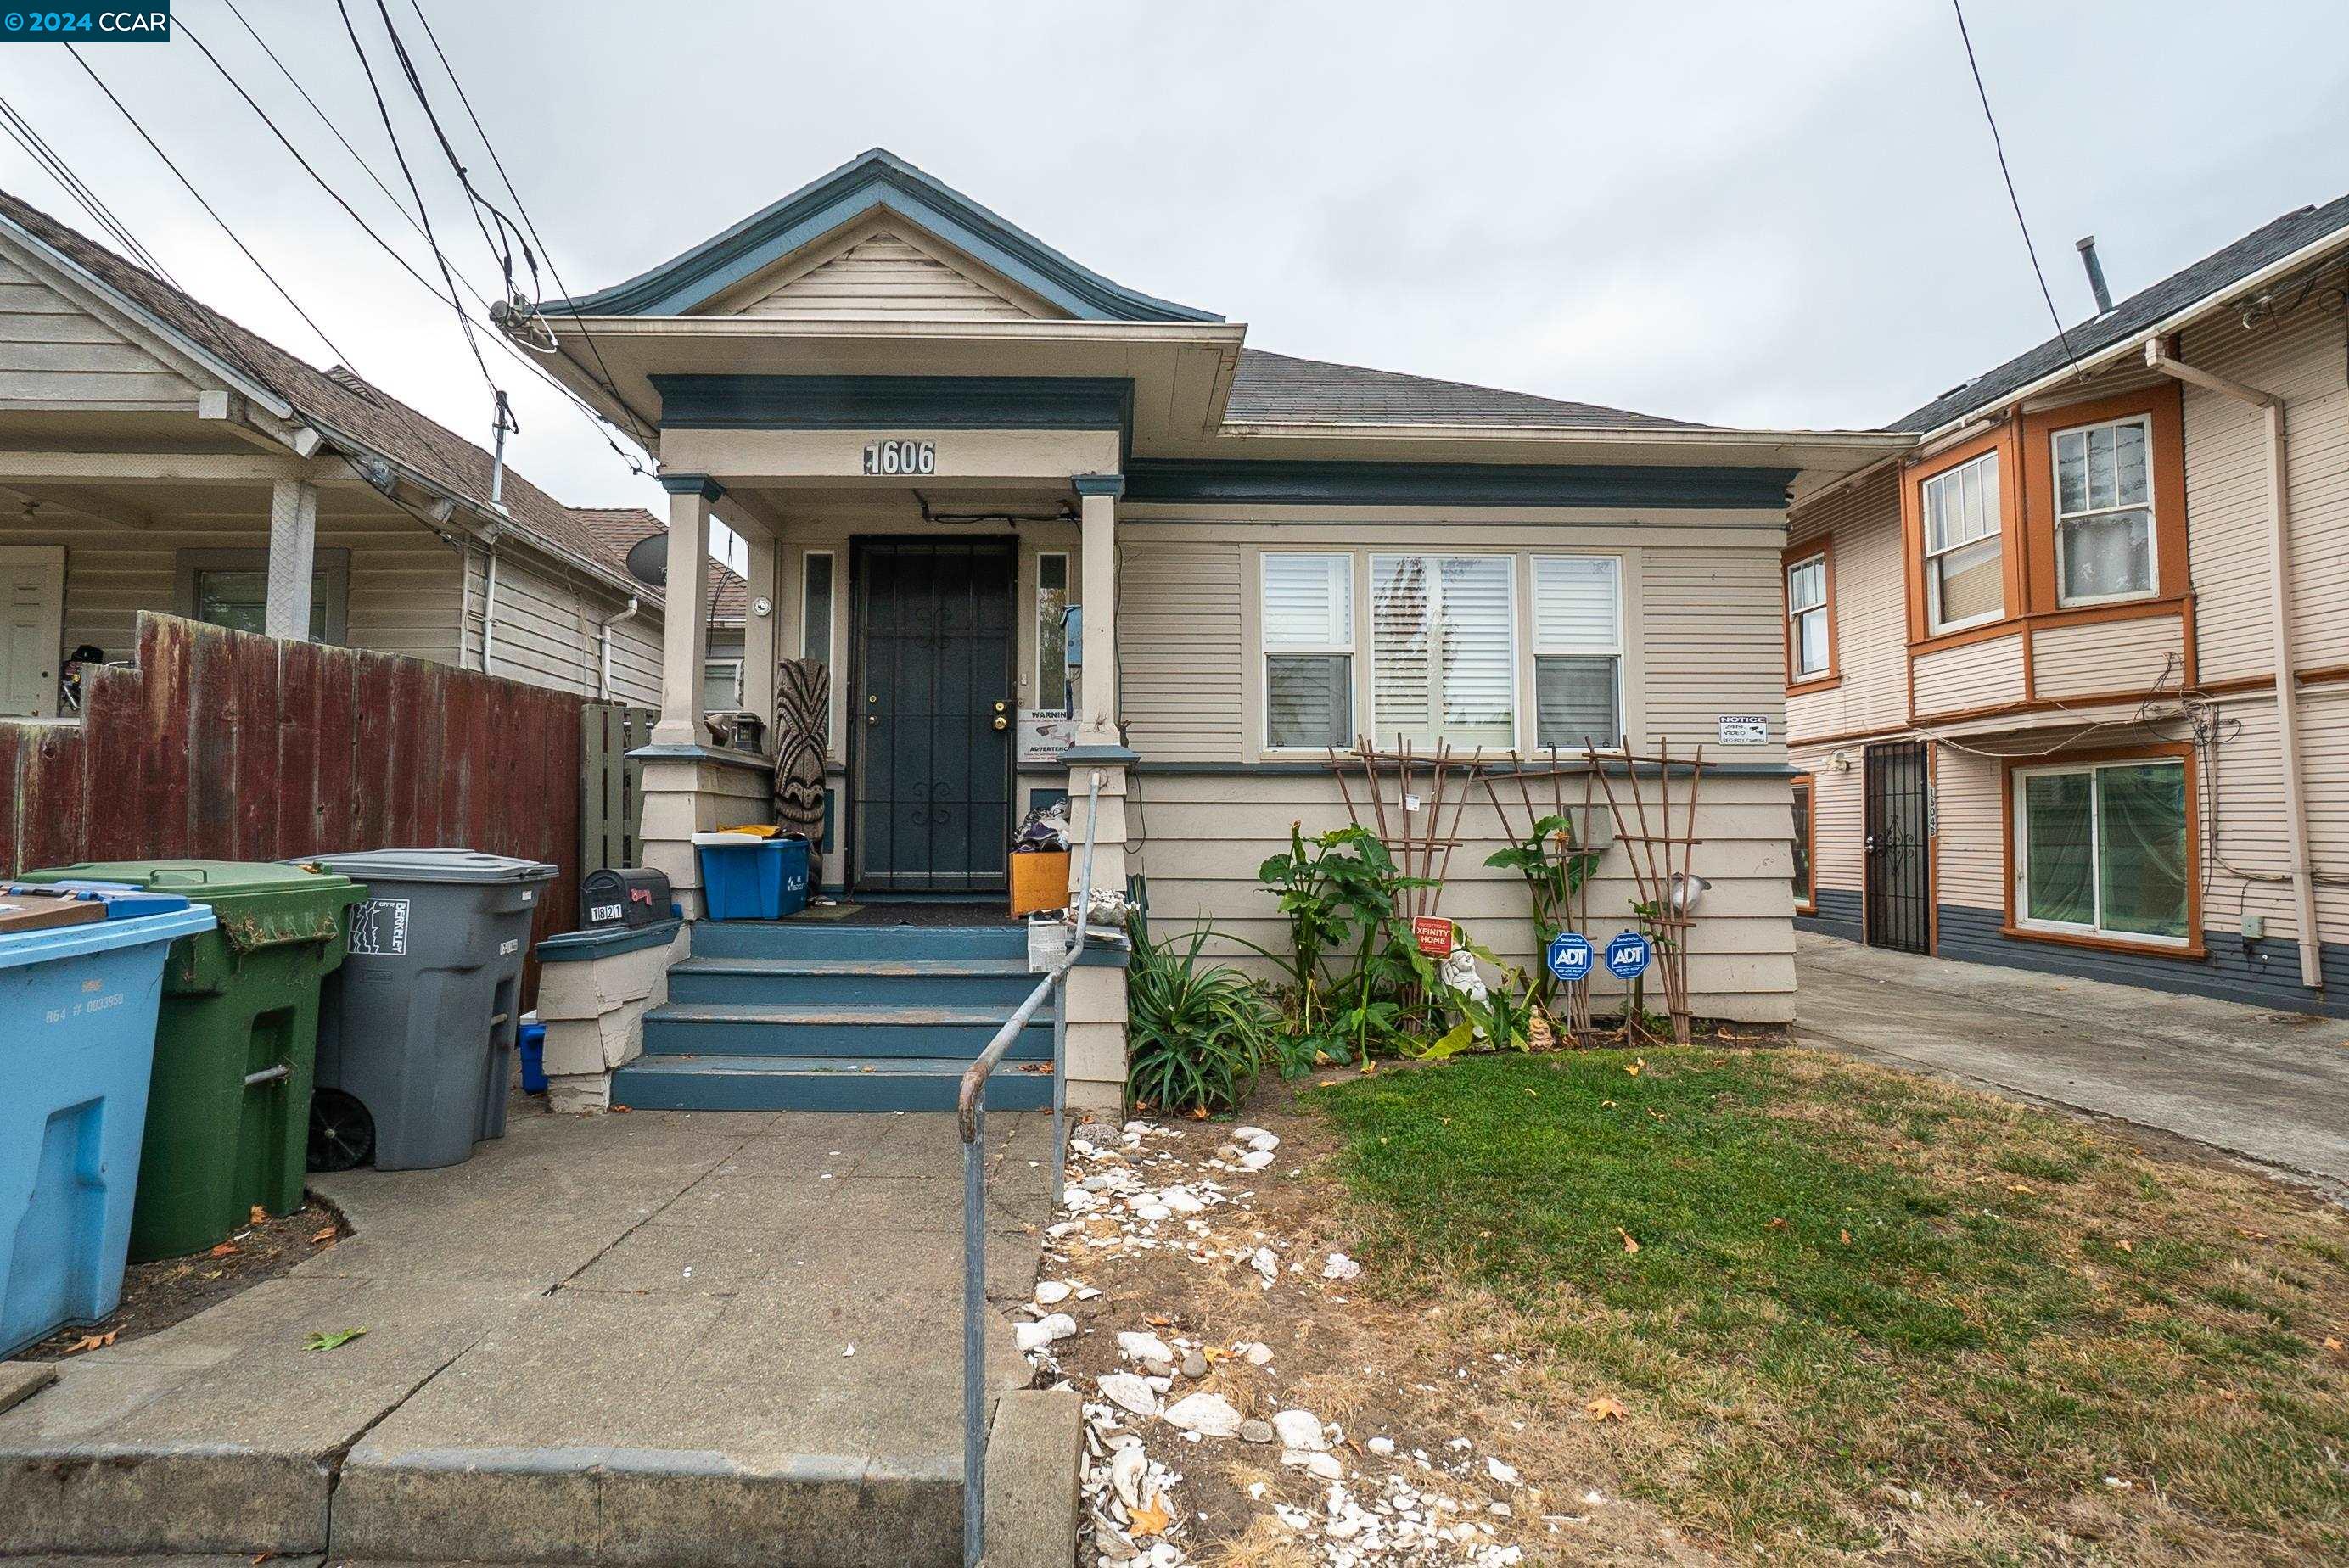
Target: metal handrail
[{"x": 970, "y": 1113}]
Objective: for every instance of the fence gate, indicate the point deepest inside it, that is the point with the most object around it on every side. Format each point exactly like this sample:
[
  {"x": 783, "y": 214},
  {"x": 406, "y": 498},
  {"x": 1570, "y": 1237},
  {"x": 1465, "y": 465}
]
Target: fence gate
[
  {"x": 1900, "y": 873},
  {"x": 611, "y": 799}
]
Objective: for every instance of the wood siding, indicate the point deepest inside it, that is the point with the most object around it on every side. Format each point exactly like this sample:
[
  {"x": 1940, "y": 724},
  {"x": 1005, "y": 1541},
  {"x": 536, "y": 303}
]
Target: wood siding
[
  {"x": 1180, "y": 635},
  {"x": 888, "y": 276},
  {"x": 1970, "y": 675},
  {"x": 56, "y": 354},
  {"x": 2100, "y": 659},
  {"x": 1870, "y": 609},
  {"x": 549, "y": 631},
  {"x": 1837, "y": 817}
]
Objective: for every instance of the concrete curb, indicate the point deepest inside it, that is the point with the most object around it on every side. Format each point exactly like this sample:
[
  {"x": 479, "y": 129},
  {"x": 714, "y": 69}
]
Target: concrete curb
[{"x": 1034, "y": 1451}]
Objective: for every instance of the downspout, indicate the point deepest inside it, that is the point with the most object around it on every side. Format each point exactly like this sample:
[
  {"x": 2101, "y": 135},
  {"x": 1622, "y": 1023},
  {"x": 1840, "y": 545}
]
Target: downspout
[
  {"x": 604, "y": 687},
  {"x": 489, "y": 603},
  {"x": 2295, "y": 798}
]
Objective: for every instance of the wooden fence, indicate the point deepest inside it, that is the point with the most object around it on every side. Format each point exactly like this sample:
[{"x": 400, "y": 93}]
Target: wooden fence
[
  {"x": 611, "y": 789},
  {"x": 225, "y": 746}
]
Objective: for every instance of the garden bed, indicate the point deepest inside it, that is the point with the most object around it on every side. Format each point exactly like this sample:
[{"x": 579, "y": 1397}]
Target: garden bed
[{"x": 1727, "y": 1304}]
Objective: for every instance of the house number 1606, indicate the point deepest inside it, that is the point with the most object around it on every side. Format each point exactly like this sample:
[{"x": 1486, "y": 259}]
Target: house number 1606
[{"x": 901, "y": 457}]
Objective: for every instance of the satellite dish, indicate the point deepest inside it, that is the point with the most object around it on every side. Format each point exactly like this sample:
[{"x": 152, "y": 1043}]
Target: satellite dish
[{"x": 648, "y": 560}]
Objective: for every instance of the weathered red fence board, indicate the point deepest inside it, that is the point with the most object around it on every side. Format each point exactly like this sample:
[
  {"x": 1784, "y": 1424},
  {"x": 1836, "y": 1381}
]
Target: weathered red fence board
[{"x": 225, "y": 746}]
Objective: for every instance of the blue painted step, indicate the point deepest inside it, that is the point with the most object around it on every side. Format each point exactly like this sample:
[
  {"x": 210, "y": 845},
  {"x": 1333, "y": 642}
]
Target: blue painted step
[
  {"x": 878, "y": 943},
  {"x": 1001, "y": 984},
  {"x": 819, "y": 1083},
  {"x": 855, "y": 1031}
]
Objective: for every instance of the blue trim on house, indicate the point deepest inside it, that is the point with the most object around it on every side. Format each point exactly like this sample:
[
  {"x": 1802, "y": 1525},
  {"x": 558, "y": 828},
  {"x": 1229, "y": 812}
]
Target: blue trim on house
[
  {"x": 2266, "y": 974},
  {"x": 1316, "y": 482},
  {"x": 701, "y": 485},
  {"x": 1838, "y": 914},
  {"x": 605, "y": 941},
  {"x": 1112, "y": 485},
  {"x": 881, "y": 402},
  {"x": 722, "y": 756},
  {"x": 877, "y": 179}
]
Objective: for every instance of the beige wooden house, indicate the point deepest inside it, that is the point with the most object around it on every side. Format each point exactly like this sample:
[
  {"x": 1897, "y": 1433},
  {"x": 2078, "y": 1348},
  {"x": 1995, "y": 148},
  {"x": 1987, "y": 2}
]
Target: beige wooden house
[
  {"x": 154, "y": 456},
  {"x": 937, "y": 433},
  {"x": 2068, "y": 683}
]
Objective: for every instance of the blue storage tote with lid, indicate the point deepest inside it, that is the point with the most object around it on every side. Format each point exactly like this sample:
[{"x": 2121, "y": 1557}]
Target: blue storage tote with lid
[
  {"x": 746, "y": 877},
  {"x": 78, "y": 1005}
]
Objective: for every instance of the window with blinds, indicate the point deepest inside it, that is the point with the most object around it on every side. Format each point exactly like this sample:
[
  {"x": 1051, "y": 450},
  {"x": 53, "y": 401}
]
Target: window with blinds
[
  {"x": 1309, "y": 651},
  {"x": 1578, "y": 651},
  {"x": 1964, "y": 580},
  {"x": 1442, "y": 649}
]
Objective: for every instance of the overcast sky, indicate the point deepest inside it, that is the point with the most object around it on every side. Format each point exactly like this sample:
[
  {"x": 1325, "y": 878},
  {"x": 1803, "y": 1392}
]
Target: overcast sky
[{"x": 1780, "y": 215}]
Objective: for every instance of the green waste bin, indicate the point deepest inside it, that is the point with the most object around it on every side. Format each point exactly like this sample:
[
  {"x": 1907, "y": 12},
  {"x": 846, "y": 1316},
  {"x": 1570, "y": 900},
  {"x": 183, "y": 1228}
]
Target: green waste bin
[{"x": 228, "y": 1115}]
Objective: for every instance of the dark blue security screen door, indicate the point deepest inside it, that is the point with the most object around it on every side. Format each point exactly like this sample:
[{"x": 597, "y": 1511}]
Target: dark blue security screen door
[
  {"x": 1898, "y": 876},
  {"x": 931, "y": 623}
]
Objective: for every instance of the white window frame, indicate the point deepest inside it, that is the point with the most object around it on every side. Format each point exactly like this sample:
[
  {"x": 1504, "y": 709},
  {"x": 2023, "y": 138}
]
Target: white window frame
[
  {"x": 2019, "y": 816},
  {"x": 710, "y": 667},
  {"x": 2064, "y": 598},
  {"x": 1434, "y": 666},
  {"x": 1934, "y": 625},
  {"x": 1794, "y": 615},
  {"x": 1614, "y": 649},
  {"x": 1267, "y": 652},
  {"x": 1068, "y": 599},
  {"x": 830, "y": 599}
]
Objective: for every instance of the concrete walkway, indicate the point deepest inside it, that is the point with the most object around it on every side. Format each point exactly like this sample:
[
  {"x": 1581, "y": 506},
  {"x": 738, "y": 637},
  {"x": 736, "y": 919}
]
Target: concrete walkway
[
  {"x": 2270, "y": 1086},
  {"x": 661, "y": 1337}
]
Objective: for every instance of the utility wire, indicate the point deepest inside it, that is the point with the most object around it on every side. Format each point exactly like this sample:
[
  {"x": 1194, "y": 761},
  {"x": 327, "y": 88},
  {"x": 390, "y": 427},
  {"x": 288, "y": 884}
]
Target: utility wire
[
  {"x": 501, "y": 246},
  {"x": 36, "y": 147},
  {"x": 499, "y": 339},
  {"x": 1998, "y": 146},
  {"x": 603, "y": 371}
]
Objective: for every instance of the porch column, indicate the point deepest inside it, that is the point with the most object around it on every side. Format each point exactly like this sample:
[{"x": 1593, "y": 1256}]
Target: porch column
[
  {"x": 1096, "y": 991},
  {"x": 685, "y": 614},
  {"x": 293, "y": 558},
  {"x": 1097, "y": 499},
  {"x": 760, "y": 643}
]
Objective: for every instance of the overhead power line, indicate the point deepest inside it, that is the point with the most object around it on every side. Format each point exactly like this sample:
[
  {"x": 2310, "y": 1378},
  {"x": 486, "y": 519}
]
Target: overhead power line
[
  {"x": 36, "y": 147},
  {"x": 1998, "y": 146}
]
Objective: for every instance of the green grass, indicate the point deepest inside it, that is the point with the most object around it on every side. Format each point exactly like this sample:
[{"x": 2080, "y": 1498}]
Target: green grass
[{"x": 1848, "y": 1279}]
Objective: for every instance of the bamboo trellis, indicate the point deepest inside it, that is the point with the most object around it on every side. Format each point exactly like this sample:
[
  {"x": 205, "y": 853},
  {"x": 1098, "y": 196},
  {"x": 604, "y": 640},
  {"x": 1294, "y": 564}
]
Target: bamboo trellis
[
  {"x": 1414, "y": 845},
  {"x": 1665, "y": 891},
  {"x": 1576, "y": 914}
]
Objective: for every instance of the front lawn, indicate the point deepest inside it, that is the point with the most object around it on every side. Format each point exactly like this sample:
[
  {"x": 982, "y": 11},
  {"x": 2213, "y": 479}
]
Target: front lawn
[{"x": 1848, "y": 1309}]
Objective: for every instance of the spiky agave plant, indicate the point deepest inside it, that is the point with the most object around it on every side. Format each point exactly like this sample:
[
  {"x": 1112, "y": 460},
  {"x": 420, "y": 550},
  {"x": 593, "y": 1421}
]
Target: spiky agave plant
[{"x": 1196, "y": 1033}]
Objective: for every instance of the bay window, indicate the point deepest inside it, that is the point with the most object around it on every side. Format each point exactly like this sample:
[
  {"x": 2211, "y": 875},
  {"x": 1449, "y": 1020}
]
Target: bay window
[
  {"x": 1578, "y": 652},
  {"x": 1442, "y": 649},
  {"x": 2104, "y": 850},
  {"x": 1308, "y": 633},
  {"x": 2104, "y": 511},
  {"x": 1964, "y": 576}
]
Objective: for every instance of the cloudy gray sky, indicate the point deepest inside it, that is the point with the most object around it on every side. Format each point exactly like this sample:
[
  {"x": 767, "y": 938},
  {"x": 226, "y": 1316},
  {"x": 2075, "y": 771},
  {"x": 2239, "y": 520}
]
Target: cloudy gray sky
[{"x": 1781, "y": 214}]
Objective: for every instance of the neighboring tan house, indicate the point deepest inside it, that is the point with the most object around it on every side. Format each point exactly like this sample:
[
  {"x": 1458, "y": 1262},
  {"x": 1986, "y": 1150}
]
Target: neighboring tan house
[
  {"x": 935, "y": 433},
  {"x": 2069, "y": 683},
  {"x": 722, "y": 684},
  {"x": 154, "y": 456}
]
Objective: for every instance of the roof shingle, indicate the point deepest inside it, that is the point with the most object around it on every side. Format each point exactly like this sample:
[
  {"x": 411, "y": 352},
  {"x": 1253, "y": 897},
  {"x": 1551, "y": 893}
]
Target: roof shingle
[{"x": 1278, "y": 388}]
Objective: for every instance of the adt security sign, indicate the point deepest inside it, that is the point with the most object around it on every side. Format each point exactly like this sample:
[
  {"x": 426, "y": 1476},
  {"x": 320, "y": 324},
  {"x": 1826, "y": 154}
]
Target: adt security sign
[
  {"x": 1628, "y": 955},
  {"x": 1571, "y": 957}
]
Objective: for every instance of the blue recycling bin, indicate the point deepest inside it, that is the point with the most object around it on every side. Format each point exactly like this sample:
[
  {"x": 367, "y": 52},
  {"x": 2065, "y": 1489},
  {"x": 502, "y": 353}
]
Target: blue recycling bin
[
  {"x": 745, "y": 878},
  {"x": 76, "y": 1051}
]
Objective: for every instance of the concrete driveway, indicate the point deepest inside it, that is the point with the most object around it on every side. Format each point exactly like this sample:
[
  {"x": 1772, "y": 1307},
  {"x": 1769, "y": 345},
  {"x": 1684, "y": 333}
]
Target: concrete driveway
[{"x": 2270, "y": 1086}]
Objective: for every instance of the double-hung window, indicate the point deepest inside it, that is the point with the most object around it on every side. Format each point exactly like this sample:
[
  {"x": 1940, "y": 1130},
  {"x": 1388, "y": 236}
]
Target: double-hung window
[
  {"x": 1309, "y": 651},
  {"x": 2104, "y": 850},
  {"x": 1807, "y": 648},
  {"x": 1964, "y": 578},
  {"x": 1578, "y": 651},
  {"x": 2104, "y": 511},
  {"x": 1442, "y": 649}
]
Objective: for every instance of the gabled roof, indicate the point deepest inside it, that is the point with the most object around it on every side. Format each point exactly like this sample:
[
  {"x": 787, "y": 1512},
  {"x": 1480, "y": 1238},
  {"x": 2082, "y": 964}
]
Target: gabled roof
[
  {"x": 2263, "y": 247},
  {"x": 619, "y": 527},
  {"x": 1275, "y": 389},
  {"x": 877, "y": 179},
  {"x": 351, "y": 411}
]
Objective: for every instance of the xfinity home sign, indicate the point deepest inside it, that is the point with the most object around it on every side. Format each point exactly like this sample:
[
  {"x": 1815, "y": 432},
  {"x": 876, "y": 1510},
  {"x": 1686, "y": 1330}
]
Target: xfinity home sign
[{"x": 1744, "y": 729}]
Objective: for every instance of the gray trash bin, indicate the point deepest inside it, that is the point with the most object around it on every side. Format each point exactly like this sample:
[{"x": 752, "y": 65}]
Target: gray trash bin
[{"x": 416, "y": 1031}]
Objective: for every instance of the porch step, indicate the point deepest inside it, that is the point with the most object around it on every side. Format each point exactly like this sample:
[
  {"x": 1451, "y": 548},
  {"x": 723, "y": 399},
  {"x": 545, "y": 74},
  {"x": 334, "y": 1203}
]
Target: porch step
[
  {"x": 849, "y": 1030},
  {"x": 817, "y": 1083},
  {"x": 1002, "y": 983},
  {"x": 820, "y": 939}
]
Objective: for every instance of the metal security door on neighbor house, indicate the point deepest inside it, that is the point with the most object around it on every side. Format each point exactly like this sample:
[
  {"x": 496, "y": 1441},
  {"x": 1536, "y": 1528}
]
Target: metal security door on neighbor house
[
  {"x": 1899, "y": 898},
  {"x": 932, "y": 714}
]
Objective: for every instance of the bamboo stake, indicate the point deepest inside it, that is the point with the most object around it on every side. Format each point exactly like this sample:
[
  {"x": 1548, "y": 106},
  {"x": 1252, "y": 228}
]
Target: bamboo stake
[{"x": 1344, "y": 788}]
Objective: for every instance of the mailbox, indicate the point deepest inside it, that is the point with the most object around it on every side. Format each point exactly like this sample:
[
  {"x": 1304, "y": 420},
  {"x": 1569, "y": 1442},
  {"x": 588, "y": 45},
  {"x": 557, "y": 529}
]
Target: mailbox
[{"x": 631, "y": 897}]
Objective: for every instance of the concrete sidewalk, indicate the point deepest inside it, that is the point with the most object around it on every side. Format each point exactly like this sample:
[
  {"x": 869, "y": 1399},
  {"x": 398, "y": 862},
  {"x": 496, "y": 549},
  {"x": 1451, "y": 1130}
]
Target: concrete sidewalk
[
  {"x": 661, "y": 1337},
  {"x": 2272, "y": 1088}
]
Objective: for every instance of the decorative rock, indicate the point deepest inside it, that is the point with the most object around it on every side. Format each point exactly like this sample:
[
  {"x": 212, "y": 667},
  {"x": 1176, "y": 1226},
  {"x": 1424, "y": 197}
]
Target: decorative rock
[
  {"x": 1152, "y": 1211},
  {"x": 1154, "y": 1367},
  {"x": 1126, "y": 1469},
  {"x": 1255, "y": 1159},
  {"x": 1182, "y": 1200},
  {"x": 1340, "y": 1267},
  {"x": 1266, "y": 1263},
  {"x": 1256, "y": 1431},
  {"x": 1052, "y": 1291},
  {"x": 1126, "y": 1389},
  {"x": 1230, "y": 1153},
  {"x": 1209, "y": 1415},
  {"x": 1193, "y": 1364},
  {"x": 1036, "y": 1335},
  {"x": 1324, "y": 1466},
  {"x": 1300, "y": 1429},
  {"x": 1248, "y": 1134},
  {"x": 1381, "y": 1447},
  {"x": 1258, "y": 1354},
  {"x": 1142, "y": 1347},
  {"x": 1263, "y": 1142},
  {"x": 1507, "y": 1474}
]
